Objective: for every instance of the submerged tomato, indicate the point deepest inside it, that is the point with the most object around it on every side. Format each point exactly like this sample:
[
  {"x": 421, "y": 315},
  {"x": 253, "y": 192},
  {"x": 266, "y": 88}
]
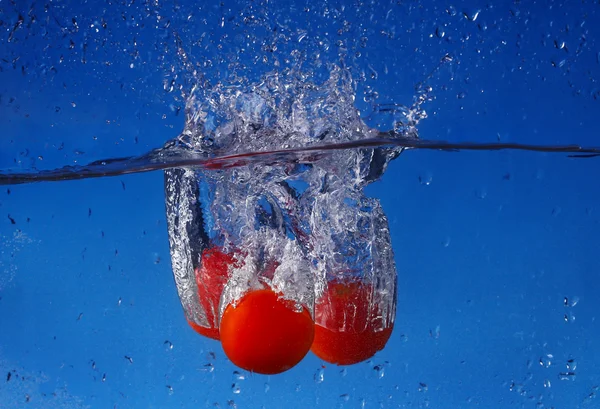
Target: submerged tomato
[
  {"x": 264, "y": 333},
  {"x": 211, "y": 278},
  {"x": 347, "y": 331}
]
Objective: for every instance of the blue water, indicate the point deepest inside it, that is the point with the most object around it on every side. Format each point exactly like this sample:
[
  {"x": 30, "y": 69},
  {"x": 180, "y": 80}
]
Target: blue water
[{"x": 496, "y": 251}]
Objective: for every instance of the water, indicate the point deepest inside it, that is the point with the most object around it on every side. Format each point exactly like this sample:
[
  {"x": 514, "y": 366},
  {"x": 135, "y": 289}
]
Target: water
[{"x": 484, "y": 266}]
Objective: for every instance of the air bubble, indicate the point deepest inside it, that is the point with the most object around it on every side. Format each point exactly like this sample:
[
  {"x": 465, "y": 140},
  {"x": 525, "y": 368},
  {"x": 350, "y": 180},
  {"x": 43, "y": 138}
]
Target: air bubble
[
  {"x": 235, "y": 388},
  {"x": 345, "y": 397}
]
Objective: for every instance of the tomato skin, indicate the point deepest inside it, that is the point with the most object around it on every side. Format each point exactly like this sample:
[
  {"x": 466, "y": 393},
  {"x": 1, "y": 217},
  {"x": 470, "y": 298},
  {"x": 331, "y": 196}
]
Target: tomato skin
[
  {"x": 264, "y": 334},
  {"x": 211, "y": 278},
  {"x": 346, "y": 332},
  {"x": 212, "y": 333}
]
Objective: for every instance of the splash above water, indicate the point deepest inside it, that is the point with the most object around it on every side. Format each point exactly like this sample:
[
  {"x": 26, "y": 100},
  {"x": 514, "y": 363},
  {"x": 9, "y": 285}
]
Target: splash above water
[{"x": 284, "y": 117}]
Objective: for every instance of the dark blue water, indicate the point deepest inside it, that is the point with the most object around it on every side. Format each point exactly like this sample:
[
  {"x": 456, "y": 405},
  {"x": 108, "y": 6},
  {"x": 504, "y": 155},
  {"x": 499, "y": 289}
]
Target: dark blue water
[{"x": 496, "y": 251}]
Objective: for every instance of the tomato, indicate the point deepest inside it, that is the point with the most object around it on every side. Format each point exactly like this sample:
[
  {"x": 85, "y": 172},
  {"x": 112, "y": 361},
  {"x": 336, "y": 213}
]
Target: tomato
[
  {"x": 211, "y": 332},
  {"x": 211, "y": 278},
  {"x": 264, "y": 333},
  {"x": 347, "y": 330}
]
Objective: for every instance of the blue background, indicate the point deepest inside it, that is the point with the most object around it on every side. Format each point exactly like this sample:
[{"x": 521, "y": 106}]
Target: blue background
[{"x": 487, "y": 244}]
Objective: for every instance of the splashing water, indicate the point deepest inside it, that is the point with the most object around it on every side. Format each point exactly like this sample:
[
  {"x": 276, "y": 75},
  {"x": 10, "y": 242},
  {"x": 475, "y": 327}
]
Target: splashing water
[
  {"x": 273, "y": 171},
  {"x": 312, "y": 218}
]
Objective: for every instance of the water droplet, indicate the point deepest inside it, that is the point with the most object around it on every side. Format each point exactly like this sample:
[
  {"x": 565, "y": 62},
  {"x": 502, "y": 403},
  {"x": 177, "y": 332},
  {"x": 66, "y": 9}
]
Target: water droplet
[
  {"x": 547, "y": 383},
  {"x": 344, "y": 372},
  {"x": 439, "y": 32},
  {"x": 446, "y": 242},
  {"x": 267, "y": 387},
  {"x": 566, "y": 376},
  {"x": 73, "y": 104},
  {"x": 345, "y": 397},
  {"x": 571, "y": 365},
  {"x": 546, "y": 361},
  {"x": 461, "y": 95},
  {"x": 481, "y": 193},
  {"x": 238, "y": 376},
  {"x": 423, "y": 387},
  {"x": 380, "y": 369},
  {"x": 426, "y": 179},
  {"x": 473, "y": 16},
  {"x": 319, "y": 375},
  {"x": 235, "y": 388},
  {"x": 298, "y": 387}
]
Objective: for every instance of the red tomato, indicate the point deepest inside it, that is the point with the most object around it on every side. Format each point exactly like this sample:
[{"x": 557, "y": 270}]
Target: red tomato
[
  {"x": 211, "y": 278},
  {"x": 211, "y": 332},
  {"x": 347, "y": 331},
  {"x": 264, "y": 333}
]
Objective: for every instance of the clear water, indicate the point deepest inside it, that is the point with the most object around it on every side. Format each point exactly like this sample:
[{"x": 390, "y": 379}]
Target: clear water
[{"x": 496, "y": 251}]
